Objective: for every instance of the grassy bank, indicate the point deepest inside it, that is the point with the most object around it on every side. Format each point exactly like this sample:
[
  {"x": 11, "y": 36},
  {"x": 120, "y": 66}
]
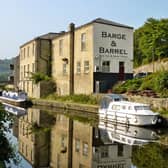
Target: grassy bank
[
  {"x": 79, "y": 98},
  {"x": 156, "y": 82}
]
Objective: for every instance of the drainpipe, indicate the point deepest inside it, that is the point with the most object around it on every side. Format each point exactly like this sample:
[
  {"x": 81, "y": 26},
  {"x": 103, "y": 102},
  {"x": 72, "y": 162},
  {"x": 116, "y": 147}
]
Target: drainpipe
[{"x": 71, "y": 57}]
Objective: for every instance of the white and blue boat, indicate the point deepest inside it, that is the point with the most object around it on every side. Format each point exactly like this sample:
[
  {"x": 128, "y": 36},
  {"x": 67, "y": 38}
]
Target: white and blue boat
[{"x": 14, "y": 98}]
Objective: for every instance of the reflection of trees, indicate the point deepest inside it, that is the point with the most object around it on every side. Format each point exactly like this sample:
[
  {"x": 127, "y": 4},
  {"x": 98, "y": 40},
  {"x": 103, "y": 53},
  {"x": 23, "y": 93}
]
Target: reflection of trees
[
  {"x": 6, "y": 150},
  {"x": 150, "y": 156}
]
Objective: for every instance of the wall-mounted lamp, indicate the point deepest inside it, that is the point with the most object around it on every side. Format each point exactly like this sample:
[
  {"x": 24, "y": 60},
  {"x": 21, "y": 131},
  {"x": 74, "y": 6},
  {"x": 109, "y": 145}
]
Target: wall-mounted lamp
[{"x": 65, "y": 60}]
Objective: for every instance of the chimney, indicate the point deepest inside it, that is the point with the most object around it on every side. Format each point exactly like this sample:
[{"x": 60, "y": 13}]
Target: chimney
[{"x": 71, "y": 61}]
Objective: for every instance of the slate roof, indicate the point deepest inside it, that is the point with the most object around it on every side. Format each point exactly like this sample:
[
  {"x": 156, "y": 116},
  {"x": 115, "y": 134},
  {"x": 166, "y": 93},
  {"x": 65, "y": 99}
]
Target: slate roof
[{"x": 108, "y": 22}]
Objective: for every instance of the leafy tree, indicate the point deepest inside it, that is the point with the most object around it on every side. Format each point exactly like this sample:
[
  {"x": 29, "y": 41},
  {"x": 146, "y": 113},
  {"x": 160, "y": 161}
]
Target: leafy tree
[
  {"x": 6, "y": 150},
  {"x": 151, "y": 41},
  {"x": 150, "y": 156}
]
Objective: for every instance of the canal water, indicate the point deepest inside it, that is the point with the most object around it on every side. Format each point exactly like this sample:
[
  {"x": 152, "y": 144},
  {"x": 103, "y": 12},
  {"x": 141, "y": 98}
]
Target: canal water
[{"x": 56, "y": 138}]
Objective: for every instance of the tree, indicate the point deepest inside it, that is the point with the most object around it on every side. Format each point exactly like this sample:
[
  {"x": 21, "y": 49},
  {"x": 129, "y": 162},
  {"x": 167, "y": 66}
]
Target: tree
[
  {"x": 150, "y": 156},
  {"x": 151, "y": 41},
  {"x": 6, "y": 150}
]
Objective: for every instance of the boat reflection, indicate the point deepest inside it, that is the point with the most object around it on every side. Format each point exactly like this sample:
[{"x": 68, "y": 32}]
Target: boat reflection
[
  {"x": 15, "y": 110},
  {"x": 130, "y": 135}
]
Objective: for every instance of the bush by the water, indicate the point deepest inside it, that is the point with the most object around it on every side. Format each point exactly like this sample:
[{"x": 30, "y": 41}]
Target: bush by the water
[
  {"x": 79, "y": 98},
  {"x": 157, "y": 82}
]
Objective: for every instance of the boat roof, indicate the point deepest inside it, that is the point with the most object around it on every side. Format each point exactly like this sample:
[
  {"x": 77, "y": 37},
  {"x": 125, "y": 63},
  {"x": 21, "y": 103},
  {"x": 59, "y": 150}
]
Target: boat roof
[
  {"x": 113, "y": 96},
  {"x": 129, "y": 103}
]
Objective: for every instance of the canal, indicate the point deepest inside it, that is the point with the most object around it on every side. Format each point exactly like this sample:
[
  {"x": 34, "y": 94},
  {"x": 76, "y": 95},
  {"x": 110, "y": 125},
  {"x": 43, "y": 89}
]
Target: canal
[{"x": 55, "y": 138}]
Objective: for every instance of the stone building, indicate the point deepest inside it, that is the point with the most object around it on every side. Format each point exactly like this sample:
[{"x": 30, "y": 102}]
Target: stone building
[
  {"x": 93, "y": 57},
  {"x": 35, "y": 56},
  {"x": 86, "y": 59}
]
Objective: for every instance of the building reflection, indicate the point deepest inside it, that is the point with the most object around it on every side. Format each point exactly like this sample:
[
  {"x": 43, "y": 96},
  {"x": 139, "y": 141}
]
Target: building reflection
[
  {"x": 69, "y": 143},
  {"x": 34, "y": 142}
]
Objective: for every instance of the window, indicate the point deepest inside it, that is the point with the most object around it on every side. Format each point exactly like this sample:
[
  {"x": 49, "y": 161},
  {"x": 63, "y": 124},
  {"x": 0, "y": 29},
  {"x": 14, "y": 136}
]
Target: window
[
  {"x": 78, "y": 69},
  {"x": 83, "y": 42},
  {"x": 61, "y": 47},
  {"x": 33, "y": 49},
  {"x": 104, "y": 152},
  {"x": 21, "y": 54},
  {"x": 116, "y": 107},
  {"x": 21, "y": 74},
  {"x": 120, "y": 149},
  {"x": 63, "y": 141},
  {"x": 85, "y": 149},
  {"x": 24, "y": 71},
  {"x": 86, "y": 66},
  {"x": 77, "y": 145},
  {"x": 123, "y": 107},
  {"x": 27, "y": 86},
  {"x": 64, "y": 68},
  {"x": 26, "y": 150},
  {"x": 81, "y": 165},
  {"x": 28, "y": 51},
  {"x": 33, "y": 67},
  {"x": 142, "y": 108},
  {"x": 22, "y": 147},
  {"x": 106, "y": 66},
  {"x": 24, "y": 52},
  {"x": 28, "y": 69},
  {"x": 31, "y": 154}
]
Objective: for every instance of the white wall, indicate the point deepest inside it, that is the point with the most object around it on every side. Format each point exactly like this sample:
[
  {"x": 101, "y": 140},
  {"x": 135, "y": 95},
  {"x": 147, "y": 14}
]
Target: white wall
[{"x": 111, "y": 48}]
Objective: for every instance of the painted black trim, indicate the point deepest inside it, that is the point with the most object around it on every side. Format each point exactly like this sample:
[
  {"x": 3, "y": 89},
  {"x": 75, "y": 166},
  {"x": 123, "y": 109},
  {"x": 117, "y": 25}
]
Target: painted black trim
[{"x": 108, "y": 80}]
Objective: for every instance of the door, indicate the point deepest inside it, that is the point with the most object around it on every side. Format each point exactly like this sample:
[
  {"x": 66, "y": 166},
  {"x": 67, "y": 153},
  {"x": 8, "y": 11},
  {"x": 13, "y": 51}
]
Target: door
[{"x": 121, "y": 71}]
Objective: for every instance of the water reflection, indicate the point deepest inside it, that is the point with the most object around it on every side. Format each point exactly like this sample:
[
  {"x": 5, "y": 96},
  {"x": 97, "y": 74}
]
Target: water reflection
[
  {"x": 130, "y": 135},
  {"x": 59, "y": 140}
]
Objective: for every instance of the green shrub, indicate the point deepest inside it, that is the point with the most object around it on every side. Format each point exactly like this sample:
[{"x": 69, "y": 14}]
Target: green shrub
[
  {"x": 162, "y": 81},
  {"x": 147, "y": 85},
  {"x": 128, "y": 85},
  {"x": 157, "y": 82},
  {"x": 37, "y": 77}
]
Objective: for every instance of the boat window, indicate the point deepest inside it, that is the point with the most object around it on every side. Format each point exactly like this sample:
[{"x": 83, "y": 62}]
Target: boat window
[
  {"x": 116, "y": 99},
  {"x": 116, "y": 107},
  {"x": 142, "y": 108},
  {"x": 124, "y": 107},
  {"x": 105, "y": 103},
  {"x": 129, "y": 108}
]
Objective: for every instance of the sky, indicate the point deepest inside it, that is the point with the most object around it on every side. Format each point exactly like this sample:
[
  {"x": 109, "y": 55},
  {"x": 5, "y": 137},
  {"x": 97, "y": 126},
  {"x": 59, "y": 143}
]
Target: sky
[{"x": 23, "y": 20}]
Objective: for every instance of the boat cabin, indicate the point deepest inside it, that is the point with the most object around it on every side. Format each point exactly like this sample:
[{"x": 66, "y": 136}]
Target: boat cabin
[{"x": 106, "y": 100}]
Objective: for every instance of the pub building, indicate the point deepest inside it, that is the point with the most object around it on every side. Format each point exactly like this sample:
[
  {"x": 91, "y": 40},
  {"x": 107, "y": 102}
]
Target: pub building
[{"x": 87, "y": 59}]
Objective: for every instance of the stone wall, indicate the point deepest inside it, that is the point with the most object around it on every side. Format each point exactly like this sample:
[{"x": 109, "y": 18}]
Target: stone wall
[
  {"x": 156, "y": 66},
  {"x": 157, "y": 103},
  {"x": 43, "y": 88}
]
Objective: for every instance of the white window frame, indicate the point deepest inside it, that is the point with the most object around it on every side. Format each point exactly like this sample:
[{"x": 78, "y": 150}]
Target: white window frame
[
  {"x": 86, "y": 67},
  {"x": 106, "y": 66},
  {"x": 83, "y": 42},
  {"x": 78, "y": 67},
  {"x": 61, "y": 41}
]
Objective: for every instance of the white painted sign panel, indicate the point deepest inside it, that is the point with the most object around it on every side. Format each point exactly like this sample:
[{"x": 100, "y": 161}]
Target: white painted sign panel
[{"x": 113, "y": 43}]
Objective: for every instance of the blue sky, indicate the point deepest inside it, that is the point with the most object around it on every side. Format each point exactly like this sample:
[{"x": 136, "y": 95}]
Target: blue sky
[{"x": 22, "y": 20}]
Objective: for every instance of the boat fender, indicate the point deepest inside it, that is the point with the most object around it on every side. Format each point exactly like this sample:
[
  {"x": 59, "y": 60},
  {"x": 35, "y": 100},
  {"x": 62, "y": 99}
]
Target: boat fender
[
  {"x": 135, "y": 132},
  {"x": 159, "y": 120},
  {"x": 135, "y": 120},
  {"x": 153, "y": 134},
  {"x": 154, "y": 120}
]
